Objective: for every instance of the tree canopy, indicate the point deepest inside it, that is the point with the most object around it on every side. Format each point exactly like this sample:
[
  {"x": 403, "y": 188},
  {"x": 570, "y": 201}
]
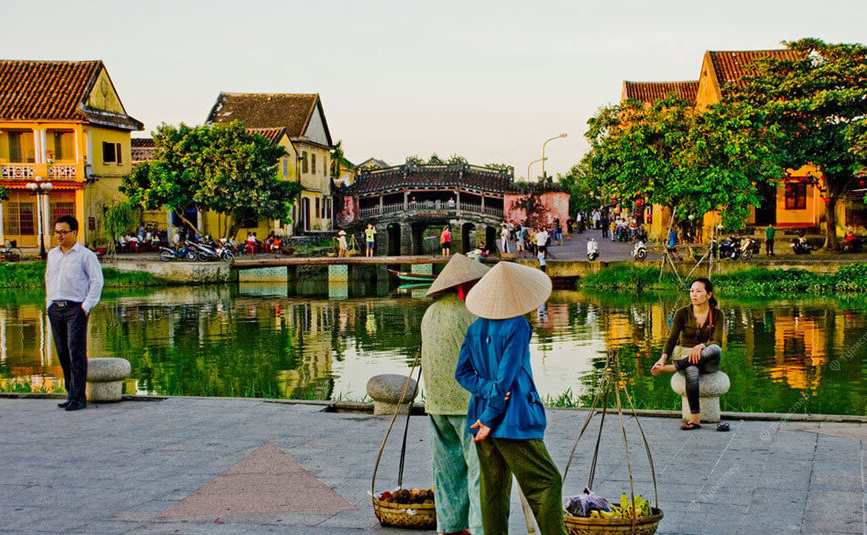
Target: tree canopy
[
  {"x": 221, "y": 168},
  {"x": 689, "y": 161},
  {"x": 818, "y": 103}
]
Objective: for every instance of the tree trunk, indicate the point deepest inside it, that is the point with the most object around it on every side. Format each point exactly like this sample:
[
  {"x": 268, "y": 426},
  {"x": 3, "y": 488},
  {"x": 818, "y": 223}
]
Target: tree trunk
[
  {"x": 185, "y": 220},
  {"x": 831, "y": 243}
]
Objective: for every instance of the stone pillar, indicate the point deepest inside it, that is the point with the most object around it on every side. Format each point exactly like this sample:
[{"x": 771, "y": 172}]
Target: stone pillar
[
  {"x": 457, "y": 228},
  {"x": 483, "y": 203},
  {"x": 418, "y": 240},
  {"x": 405, "y": 200},
  {"x": 381, "y": 202},
  {"x": 405, "y": 239},
  {"x": 458, "y": 201}
]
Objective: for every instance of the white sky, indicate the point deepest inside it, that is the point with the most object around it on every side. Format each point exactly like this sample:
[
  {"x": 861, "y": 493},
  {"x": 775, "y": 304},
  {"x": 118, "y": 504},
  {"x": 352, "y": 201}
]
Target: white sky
[{"x": 488, "y": 80}]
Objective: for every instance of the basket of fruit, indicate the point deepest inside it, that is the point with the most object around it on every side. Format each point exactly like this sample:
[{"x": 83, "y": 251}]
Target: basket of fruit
[
  {"x": 588, "y": 514},
  {"x": 403, "y": 508}
]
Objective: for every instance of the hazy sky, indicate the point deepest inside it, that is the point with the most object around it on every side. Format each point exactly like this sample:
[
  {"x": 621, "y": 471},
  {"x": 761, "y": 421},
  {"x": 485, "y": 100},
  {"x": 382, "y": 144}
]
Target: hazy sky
[{"x": 487, "y": 80}]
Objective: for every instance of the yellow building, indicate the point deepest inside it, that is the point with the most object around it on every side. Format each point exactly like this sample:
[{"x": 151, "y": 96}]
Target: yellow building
[
  {"x": 796, "y": 200},
  {"x": 61, "y": 122},
  {"x": 296, "y": 122}
]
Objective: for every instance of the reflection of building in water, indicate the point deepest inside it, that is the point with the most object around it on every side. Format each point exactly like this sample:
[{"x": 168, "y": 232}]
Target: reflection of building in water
[
  {"x": 26, "y": 346},
  {"x": 799, "y": 350},
  {"x": 313, "y": 323}
]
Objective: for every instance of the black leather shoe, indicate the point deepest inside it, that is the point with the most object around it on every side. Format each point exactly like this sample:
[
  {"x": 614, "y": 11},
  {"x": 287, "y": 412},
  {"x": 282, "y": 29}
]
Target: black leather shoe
[
  {"x": 76, "y": 405},
  {"x": 64, "y": 404}
]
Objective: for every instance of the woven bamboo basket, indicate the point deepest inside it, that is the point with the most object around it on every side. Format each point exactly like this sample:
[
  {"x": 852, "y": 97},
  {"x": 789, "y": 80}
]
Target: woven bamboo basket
[
  {"x": 613, "y": 379},
  {"x": 647, "y": 525},
  {"x": 412, "y": 516}
]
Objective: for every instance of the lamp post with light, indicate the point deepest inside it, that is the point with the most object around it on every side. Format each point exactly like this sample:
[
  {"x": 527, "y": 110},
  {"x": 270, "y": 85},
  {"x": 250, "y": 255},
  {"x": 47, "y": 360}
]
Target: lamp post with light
[
  {"x": 543, "y": 152},
  {"x": 40, "y": 189},
  {"x": 531, "y": 165}
]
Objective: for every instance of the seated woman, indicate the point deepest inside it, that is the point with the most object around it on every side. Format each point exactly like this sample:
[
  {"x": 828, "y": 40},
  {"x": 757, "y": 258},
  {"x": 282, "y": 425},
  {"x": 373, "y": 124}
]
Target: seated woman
[{"x": 697, "y": 332}]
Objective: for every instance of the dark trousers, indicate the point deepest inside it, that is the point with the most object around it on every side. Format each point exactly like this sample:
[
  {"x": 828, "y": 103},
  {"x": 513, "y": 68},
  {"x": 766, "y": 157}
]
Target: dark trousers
[
  {"x": 709, "y": 363},
  {"x": 69, "y": 328},
  {"x": 769, "y": 247},
  {"x": 537, "y": 475}
]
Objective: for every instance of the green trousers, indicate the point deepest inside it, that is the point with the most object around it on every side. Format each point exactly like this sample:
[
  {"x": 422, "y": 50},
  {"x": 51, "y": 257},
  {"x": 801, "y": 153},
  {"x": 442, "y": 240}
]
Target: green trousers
[
  {"x": 537, "y": 475},
  {"x": 456, "y": 475}
]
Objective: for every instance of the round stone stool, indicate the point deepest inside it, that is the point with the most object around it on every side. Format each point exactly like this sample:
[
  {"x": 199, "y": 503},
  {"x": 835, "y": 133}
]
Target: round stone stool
[
  {"x": 105, "y": 378},
  {"x": 710, "y": 387},
  {"x": 385, "y": 390}
]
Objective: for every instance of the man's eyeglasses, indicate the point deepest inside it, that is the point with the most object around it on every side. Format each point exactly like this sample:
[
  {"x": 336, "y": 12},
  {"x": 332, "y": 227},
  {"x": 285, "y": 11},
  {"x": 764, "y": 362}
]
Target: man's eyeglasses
[{"x": 62, "y": 233}]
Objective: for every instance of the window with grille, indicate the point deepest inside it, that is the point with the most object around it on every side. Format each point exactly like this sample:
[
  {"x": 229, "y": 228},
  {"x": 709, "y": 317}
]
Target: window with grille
[
  {"x": 111, "y": 153},
  {"x": 60, "y": 209},
  {"x": 285, "y": 167},
  {"x": 19, "y": 218},
  {"x": 313, "y": 163},
  {"x": 304, "y": 161}
]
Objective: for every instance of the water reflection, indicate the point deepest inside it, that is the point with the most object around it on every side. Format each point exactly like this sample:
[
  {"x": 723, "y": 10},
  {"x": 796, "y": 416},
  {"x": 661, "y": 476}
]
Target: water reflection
[{"x": 312, "y": 341}]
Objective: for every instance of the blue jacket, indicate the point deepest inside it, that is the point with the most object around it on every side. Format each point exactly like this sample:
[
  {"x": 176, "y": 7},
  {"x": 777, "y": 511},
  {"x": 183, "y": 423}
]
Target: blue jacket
[{"x": 495, "y": 359}]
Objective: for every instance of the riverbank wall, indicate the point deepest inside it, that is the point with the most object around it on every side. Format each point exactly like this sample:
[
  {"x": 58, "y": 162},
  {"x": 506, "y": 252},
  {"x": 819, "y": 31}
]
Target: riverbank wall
[
  {"x": 571, "y": 269},
  {"x": 183, "y": 272}
]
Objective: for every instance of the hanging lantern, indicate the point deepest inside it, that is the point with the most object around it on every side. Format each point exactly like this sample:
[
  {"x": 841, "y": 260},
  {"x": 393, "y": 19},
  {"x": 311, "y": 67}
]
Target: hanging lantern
[{"x": 639, "y": 202}]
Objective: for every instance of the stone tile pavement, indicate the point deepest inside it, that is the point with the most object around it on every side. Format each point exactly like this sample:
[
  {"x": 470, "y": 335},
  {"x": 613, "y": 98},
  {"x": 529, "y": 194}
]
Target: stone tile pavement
[{"x": 116, "y": 469}]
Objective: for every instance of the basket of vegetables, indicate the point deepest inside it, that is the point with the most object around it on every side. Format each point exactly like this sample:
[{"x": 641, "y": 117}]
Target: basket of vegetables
[
  {"x": 403, "y": 508},
  {"x": 589, "y": 514}
]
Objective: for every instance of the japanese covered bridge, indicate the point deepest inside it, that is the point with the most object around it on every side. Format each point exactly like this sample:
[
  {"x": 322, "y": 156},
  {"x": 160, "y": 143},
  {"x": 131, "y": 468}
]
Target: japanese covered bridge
[{"x": 410, "y": 204}]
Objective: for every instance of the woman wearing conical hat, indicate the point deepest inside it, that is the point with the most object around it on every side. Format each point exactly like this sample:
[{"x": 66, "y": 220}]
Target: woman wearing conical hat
[
  {"x": 505, "y": 412},
  {"x": 455, "y": 461}
]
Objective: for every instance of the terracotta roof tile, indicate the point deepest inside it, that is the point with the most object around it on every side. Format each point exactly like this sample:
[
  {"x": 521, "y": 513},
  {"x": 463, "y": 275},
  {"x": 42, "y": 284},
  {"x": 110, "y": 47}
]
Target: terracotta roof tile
[
  {"x": 143, "y": 149},
  {"x": 54, "y": 90},
  {"x": 265, "y": 110},
  {"x": 396, "y": 178},
  {"x": 271, "y": 134},
  {"x": 731, "y": 66},
  {"x": 652, "y": 91}
]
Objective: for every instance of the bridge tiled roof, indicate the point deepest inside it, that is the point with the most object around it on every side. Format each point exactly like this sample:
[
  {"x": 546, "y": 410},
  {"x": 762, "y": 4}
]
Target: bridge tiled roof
[{"x": 432, "y": 176}]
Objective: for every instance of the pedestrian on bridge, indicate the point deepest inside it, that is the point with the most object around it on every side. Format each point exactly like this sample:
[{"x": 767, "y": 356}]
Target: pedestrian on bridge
[{"x": 370, "y": 240}]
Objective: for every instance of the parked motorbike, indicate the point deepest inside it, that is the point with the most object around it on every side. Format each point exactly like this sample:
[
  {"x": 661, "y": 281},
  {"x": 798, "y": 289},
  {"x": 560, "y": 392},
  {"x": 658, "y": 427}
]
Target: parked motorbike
[
  {"x": 167, "y": 254},
  {"x": 622, "y": 234},
  {"x": 801, "y": 246},
  {"x": 852, "y": 244},
  {"x": 731, "y": 248},
  {"x": 592, "y": 249},
  {"x": 748, "y": 248},
  {"x": 211, "y": 253},
  {"x": 639, "y": 250}
]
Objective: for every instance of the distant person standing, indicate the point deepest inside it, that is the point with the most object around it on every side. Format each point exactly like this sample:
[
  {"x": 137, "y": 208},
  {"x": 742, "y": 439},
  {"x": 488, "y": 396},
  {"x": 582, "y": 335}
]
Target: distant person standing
[
  {"x": 73, "y": 284},
  {"x": 369, "y": 240},
  {"x": 446, "y": 241},
  {"x": 769, "y": 239}
]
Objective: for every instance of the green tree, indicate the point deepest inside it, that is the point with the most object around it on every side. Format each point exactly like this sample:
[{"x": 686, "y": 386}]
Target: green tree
[
  {"x": 338, "y": 160},
  {"x": 818, "y": 103},
  {"x": 456, "y": 159},
  {"x": 578, "y": 182},
  {"x": 222, "y": 168},
  {"x": 415, "y": 159},
  {"x": 691, "y": 162},
  {"x": 118, "y": 217}
]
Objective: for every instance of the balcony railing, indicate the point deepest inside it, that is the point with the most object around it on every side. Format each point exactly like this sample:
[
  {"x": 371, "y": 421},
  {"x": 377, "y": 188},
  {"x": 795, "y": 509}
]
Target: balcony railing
[{"x": 29, "y": 171}]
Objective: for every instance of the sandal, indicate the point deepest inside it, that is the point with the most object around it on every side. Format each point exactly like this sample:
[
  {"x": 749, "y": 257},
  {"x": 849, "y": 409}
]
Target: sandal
[
  {"x": 723, "y": 427},
  {"x": 689, "y": 426}
]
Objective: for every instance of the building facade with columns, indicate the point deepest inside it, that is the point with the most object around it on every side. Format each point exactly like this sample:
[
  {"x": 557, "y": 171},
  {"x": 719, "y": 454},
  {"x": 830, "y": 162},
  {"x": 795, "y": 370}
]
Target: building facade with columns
[{"x": 63, "y": 123}]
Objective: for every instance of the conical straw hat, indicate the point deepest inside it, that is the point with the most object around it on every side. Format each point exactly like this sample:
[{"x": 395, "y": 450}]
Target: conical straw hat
[
  {"x": 509, "y": 290},
  {"x": 342, "y": 233},
  {"x": 459, "y": 270}
]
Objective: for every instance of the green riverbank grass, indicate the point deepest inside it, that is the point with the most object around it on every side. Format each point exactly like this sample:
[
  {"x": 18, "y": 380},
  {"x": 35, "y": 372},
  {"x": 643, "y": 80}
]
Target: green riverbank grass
[
  {"x": 755, "y": 282},
  {"x": 32, "y": 275}
]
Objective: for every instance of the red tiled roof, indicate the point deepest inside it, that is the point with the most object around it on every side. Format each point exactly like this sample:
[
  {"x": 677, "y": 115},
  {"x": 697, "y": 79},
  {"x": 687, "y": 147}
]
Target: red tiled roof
[
  {"x": 396, "y": 178},
  {"x": 271, "y": 134},
  {"x": 652, "y": 91},
  {"x": 143, "y": 149},
  {"x": 731, "y": 66},
  {"x": 54, "y": 90},
  {"x": 58, "y": 184},
  {"x": 265, "y": 110}
]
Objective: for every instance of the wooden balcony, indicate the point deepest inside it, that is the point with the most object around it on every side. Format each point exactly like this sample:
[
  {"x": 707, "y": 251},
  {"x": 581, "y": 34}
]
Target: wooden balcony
[{"x": 29, "y": 171}]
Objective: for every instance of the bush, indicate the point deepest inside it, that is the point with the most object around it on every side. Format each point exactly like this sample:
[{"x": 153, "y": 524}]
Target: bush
[
  {"x": 32, "y": 275},
  {"x": 628, "y": 277}
]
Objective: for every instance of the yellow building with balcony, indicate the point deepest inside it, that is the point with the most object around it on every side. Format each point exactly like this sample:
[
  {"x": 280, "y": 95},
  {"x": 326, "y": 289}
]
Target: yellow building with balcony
[
  {"x": 63, "y": 123},
  {"x": 308, "y": 143}
]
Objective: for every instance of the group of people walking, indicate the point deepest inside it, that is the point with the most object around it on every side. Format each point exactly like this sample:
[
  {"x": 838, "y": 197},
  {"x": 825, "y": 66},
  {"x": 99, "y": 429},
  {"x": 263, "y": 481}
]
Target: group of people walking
[{"x": 487, "y": 420}]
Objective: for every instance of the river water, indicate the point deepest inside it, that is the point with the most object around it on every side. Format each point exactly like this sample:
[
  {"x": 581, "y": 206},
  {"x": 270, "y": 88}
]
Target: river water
[{"x": 802, "y": 355}]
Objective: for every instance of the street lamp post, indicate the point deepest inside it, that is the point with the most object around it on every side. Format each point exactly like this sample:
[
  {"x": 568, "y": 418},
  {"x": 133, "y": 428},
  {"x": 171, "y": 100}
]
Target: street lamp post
[
  {"x": 531, "y": 165},
  {"x": 40, "y": 189},
  {"x": 543, "y": 152}
]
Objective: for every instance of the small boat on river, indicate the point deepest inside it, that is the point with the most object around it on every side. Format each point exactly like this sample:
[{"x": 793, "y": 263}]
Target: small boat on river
[{"x": 413, "y": 277}]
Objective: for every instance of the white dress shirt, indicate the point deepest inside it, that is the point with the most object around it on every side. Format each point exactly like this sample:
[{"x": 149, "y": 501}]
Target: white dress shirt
[{"x": 73, "y": 276}]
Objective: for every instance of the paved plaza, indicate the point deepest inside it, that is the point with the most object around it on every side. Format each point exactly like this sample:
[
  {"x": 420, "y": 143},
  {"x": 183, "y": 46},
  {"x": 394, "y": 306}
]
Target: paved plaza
[{"x": 228, "y": 466}]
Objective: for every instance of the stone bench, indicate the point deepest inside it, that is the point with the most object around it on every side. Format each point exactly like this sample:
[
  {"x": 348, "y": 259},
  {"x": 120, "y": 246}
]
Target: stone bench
[
  {"x": 105, "y": 378},
  {"x": 711, "y": 387},
  {"x": 385, "y": 390}
]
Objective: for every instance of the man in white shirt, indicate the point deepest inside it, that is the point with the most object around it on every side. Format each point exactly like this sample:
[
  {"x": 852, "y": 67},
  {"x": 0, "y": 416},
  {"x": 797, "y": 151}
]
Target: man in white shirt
[
  {"x": 542, "y": 241},
  {"x": 73, "y": 284}
]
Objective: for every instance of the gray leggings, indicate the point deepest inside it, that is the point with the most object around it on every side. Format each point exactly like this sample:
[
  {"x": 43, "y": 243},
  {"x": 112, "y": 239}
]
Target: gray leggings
[{"x": 709, "y": 363}]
